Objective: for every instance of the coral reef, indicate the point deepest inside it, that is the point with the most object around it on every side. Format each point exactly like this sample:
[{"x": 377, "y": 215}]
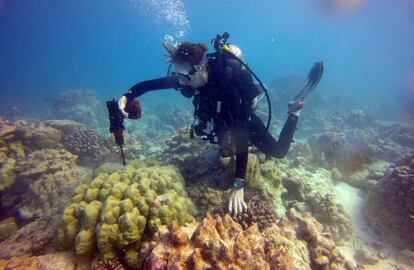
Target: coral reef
[
  {"x": 205, "y": 198},
  {"x": 323, "y": 251},
  {"x": 8, "y": 227},
  {"x": 79, "y": 105},
  {"x": 390, "y": 205},
  {"x": 17, "y": 141},
  {"x": 133, "y": 147},
  {"x": 111, "y": 214},
  {"x": 58, "y": 260},
  {"x": 253, "y": 174},
  {"x": 332, "y": 216},
  {"x": 31, "y": 238},
  {"x": 48, "y": 195},
  {"x": 310, "y": 189},
  {"x": 195, "y": 158},
  {"x": 44, "y": 170},
  {"x": 27, "y": 168},
  {"x": 326, "y": 147},
  {"x": 360, "y": 119},
  {"x": 259, "y": 210},
  {"x": 64, "y": 125},
  {"x": 88, "y": 145},
  {"x": 113, "y": 264},
  {"x": 91, "y": 148},
  {"x": 176, "y": 118},
  {"x": 35, "y": 135},
  {"x": 44, "y": 162},
  {"x": 221, "y": 243}
]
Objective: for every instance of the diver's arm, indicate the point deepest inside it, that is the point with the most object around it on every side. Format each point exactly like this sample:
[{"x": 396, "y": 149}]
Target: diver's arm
[
  {"x": 236, "y": 196},
  {"x": 151, "y": 85},
  {"x": 242, "y": 151}
]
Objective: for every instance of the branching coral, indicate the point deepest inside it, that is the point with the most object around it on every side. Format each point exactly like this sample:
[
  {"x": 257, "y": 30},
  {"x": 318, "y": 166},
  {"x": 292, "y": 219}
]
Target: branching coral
[{"x": 112, "y": 213}]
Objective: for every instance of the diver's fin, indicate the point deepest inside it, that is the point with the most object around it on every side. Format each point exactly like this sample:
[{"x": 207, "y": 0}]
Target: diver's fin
[{"x": 314, "y": 76}]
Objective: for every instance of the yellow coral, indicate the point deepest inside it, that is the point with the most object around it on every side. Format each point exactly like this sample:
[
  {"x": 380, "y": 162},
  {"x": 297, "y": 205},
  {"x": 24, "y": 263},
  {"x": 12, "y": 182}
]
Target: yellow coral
[
  {"x": 85, "y": 243},
  {"x": 111, "y": 214}
]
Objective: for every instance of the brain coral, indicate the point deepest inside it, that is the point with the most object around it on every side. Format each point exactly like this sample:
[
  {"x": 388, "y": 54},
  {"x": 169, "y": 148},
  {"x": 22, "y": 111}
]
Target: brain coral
[{"x": 111, "y": 214}]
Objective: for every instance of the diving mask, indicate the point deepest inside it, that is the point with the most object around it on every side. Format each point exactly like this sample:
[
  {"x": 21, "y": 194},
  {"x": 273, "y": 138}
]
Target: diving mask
[{"x": 192, "y": 75}]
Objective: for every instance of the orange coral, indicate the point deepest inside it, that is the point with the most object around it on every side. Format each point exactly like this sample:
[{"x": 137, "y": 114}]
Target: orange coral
[
  {"x": 221, "y": 243},
  {"x": 218, "y": 243}
]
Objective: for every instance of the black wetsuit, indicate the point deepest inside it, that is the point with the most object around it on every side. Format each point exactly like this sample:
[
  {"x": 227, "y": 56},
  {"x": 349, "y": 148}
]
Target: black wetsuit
[{"x": 227, "y": 99}]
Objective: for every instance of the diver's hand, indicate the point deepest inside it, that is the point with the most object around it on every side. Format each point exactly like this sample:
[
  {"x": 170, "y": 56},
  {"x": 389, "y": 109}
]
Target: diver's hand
[
  {"x": 236, "y": 201},
  {"x": 122, "y": 104}
]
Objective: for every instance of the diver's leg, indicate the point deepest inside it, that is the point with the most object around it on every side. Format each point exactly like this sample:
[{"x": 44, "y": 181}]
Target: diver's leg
[{"x": 266, "y": 143}]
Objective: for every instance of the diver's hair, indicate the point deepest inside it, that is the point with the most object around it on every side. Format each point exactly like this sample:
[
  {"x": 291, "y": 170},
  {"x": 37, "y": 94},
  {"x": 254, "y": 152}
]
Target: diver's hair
[{"x": 189, "y": 52}]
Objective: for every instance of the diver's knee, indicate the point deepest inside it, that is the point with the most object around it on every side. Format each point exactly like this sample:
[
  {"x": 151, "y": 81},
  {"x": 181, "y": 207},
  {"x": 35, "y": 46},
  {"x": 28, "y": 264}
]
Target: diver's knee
[{"x": 280, "y": 154}]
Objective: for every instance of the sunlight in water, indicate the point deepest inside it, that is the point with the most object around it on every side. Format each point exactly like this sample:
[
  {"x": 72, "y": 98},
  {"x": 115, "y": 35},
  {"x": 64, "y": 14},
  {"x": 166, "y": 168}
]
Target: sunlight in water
[{"x": 167, "y": 11}]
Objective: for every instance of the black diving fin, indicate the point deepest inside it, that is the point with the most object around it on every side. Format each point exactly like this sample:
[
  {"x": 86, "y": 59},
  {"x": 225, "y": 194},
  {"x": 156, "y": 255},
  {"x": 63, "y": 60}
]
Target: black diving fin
[{"x": 314, "y": 76}]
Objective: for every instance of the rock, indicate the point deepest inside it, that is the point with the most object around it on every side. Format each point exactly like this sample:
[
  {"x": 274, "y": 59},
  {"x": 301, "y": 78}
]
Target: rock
[
  {"x": 8, "y": 227},
  {"x": 390, "y": 206},
  {"x": 364, "y": 256},
  {"x": 30, "y": 239},
  {"x": 54, "y": 261}
]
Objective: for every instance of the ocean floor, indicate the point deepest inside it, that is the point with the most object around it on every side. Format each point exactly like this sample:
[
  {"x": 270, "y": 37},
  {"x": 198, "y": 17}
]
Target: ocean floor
[{"x": 366, "y": 245}]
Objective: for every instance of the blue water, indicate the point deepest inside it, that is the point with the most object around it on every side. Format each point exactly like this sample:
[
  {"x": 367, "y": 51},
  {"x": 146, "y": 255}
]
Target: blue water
[{"x": 107, "y": 46}]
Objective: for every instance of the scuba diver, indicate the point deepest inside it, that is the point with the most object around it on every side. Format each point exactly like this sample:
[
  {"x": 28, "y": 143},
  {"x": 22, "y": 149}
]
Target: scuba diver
[{"x": 224, "y": 96}]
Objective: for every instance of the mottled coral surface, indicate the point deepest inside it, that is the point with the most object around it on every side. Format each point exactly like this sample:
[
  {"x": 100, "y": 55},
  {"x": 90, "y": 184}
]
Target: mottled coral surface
[{"x": 221, "y": 243}]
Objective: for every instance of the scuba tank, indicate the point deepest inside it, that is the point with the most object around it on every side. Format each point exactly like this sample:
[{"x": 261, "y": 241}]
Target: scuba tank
[
  {"x": 205, "y": 126},
  {"x": 226, "y": 50}
]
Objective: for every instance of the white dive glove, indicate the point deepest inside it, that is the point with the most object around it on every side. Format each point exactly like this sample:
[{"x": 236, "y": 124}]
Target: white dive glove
[
  {"x": 236, "y": 198},
  {"x": 121, "y": 105},
  {"x": 295, "y": 106}
]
